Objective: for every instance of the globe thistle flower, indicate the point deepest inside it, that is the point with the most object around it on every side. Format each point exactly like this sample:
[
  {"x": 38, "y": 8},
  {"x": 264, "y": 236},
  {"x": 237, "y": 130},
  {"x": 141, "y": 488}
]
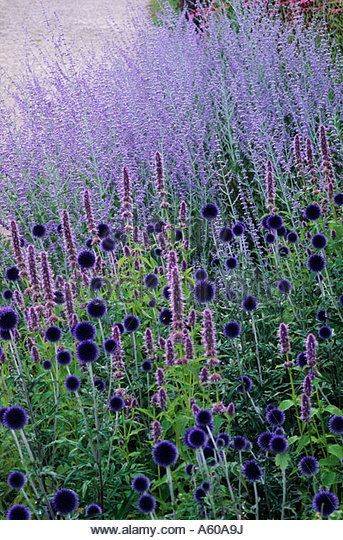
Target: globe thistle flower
[
  {"x": 96, "y": 308},
  {"x": 116, "y": 403},
  {"x": 312, "y": 212},
  {"x": 311, "y": 350},
  {"x": 270, "y": 238},
  {"x": 38, "y": 230},
  {"x": 166, "y": 292},
  {"x": 8, "y": 319},
  {"x": 151, "y": 281},
  {"x": 321, "y": 315},
  {"x": 204, "y": 418},
  {"x": 264, "y": 439},
  {"x": 18, "y": 512},
  {"x": 338, "y": 199},
  {"x": 274, "y": 221},
  {"x": 65, "y": 501},
  {"x": 325, "y": 332},
  {"x": 131, "y": 323},
  {"x": 103, "y": 230},
  {"x": 252, "y": 471},
  {"x": 110, "y": 345},
  {"x": 283, "y": 251},
  {"x": 12, "y": 273},
  {"x": 308, "y": 466},
  {"x": 64, "y": 357},
  {"x": 278, "y": 444},
  {"x": 239, "y": 443},
  {"x": 283, "y": 335},
  {"x": 246, "y": 384},
  {"x": 301, "y": 359},
  {"x": 7, "y": 294},
  {"x": 108, "y": 244},
  {"x": 165, "y": 454},
  {"x": 72, "y": 383},
  {"x": 284, "y": 286},
  {"x": 210, "y": 211},
  {"x": 100, "y": 384},
  {"x": 249, "y": 303},
  {"x": 204, "y": 291},
  {"x": 226, "y": 234},
  {"x": 199, "y": 495},
  {"x": 206, "y": 486},
  {"x": 292, "y": 237},
  {"x": 319, "y": 241},
  {"x": 281, "y": 231},
  {"x": 336, "y": 424},
  {"x": 231, "y": 263},
  {"x": 200, "y": 274},
  {"x": 190, "y": 469},
  {"x": 196, "y": 438},
  {"x": 84, "y": 330},
  {"x": 47, "y": 365},
  {"x": 86, "y": 259},
  {"x": 16, "y": 480},
  {"x": 93, "y": 509},
  {"x": 275, "y": 417},
  {"x": 59, "y": 297},
  {"x": 141, "y": 483},
  {"x": 15, "y": 418},
  {"x": 87, "y": 351},
  {"x": 232, "y": 329},
  {"x": 146, "y": 366},
  {"x": 325, "y": 503},
  {"x": 238, "y": 228},
  {"x": 146, "y": 503}
]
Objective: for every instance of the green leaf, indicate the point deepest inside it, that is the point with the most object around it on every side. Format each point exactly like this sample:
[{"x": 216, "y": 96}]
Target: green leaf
[
  {"x": 328, "y": 478},
  {"x": 336, "y": 450},
  {"x": 333, "y": 410},
  {"x": 282, "y": 460},
  {"x": 286, "y": 404}
]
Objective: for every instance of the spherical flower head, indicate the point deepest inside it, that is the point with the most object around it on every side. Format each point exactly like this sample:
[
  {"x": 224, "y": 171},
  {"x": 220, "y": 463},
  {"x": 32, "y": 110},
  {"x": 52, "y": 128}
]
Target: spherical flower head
[
  {"x": 284, "y": 286},
  {"x": 316, "y": 262},
  {"x": 196, "y": 438},
  {"x": 226, "y": 234},
  {"x": 239, "y": 443},
  {"x": 232, "y": 329},
  {"x": 38, "y": 231},
  {"x": 308, "y": 466},
  {"x": 100, "y": 384},
  {"x": 16, "y": 480},
  {"x": 189, "y": 469},
  {"x": 120, "y": 327},
  {"x": 325, "y": 332},
  {"x": 146, "y": 366},
  {"x": 292, "y": 237},
  {"x": 96, "y": 308},
  {"x": 200, "y": 274},
  {"x": 131, "y": 323},
  {"x": 283, "y": 251},
  {"x": 250, "y": 303},
  {"x": 103, "y": 230},
  {"x": 274, "y": 221},
  {"x": 151, "y": 281},
  {"x": 7, "y": 294},
  {"x": 72, "y": 383},
  {"x": 116, "y": 404},
  {"x": 301, "y": 359},
  {"x": 336, "y": 424},
  {"x": 93, "y": 509},
  {"x": 252, "y": 471},
  {"x": 108, "y": 244},
  {"x": 231, "y": 263},
  {"x": 238, "y": 228},
  {"x": 225, "y": 438},
  {"x": 65, "y": 501},
  {"x": 152, "y": 303},
  {"x": 47, "y": 365},
  {"x": 263, "y": 440},
  {"x": 204, "y": 418},
  {"x": 53, "y": 334},
  {"x": 8, "y": 319},
  {"x": 204, "y": 291},
  {"x": 86, "y": 259},
  {"x": 281, "y": 231},
  {"x": 18, "y": 512},
  {"x": 275, "y": 417},
  {"x": 2, "y": 412},
  {"x": 319, "y": 241},
  {"x": 15, "y": 418},
  {"x": 278, "y": 444},
  {"x": 246, "y": 384},
  {"x": 312, "y": 212},
  {"x": 84, "y": 330},
  {"x": 110, "y": 345},
  {"x": 64, "y": 357},
  {"x": 321, "y": 315},
  {"x": 166, "y": 292},
  {"x": 165, "y": 454},
  {"x": 215, "y": 262},
  {"x": 59, "y": 297},
  {"x": 12, "y": 273},
  {"x": 87, "y": 351},
  {"x": 96, "y": 283},
  {"x": 141, "y": 483},
  {"x": 165, "y": 316},
  {"x": 210, "y": 211},
  {"x": 199, "y": 495},
  {"x": 325, "y": 503},
  {"x": 146, "y": 503},
  {"x": 338, "y": 199},
  {"x": 269, "y": 238}
]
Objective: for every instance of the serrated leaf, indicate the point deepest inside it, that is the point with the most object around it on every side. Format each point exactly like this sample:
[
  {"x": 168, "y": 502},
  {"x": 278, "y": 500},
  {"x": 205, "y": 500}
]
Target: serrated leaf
[
  {"x": 282, "y": 460},
  {"x": 336, "y": 450}
]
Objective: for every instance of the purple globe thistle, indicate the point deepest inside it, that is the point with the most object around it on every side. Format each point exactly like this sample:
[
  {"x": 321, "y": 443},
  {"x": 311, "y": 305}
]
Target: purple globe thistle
[
  {"x": 308, "y": 466},
  {"x": 166, "y": 292},
  {"x": 96, "y": 308},
  {"x": 275, "y": 417},
  {"x": 86, "y": 259},
  {"x": 18, "y": 512},
  {"x": 238, "y": 228},
  {"x": 47, "y": 365},
  {"x": 215, "y": 262},
  {"x": 151, "y": 281},
  {"x": 301, "y": 359},
  {"x": 120, "y": 327},
  {"x": 319, "y": 241},
  {"x": 196, "y": 438},
  {"x": 316, "y": 263},
  {"x": 199, "y": 495},
  {"x": 165, "y": 316},
  {"x": 325, "y": 332},
  {"x": 226, "y": 234},
  {"x": 93, "y": 509},
  {"x": 264, "y": 222},
  {"x": 2, "y": 412},
  {"x": 246, "y": 384},
  {"x": 8, "y": 319},
  {"x": 278, "y": 444},
  {"x": 204, "y": 291},
  {"x": 100, "y": 384},
  {"x": 87, "y": 351},
  {"x": 16, "y": 480},
  {"x": 12, "y": 273},
  {"x": 146, "y": 503},
  {"x": 7, "y": 294},
  {"x": 231, "y": 263},
  {"x": 53, "y": 334},
  {"x": 269, "y": 238},
  {"x": 178, "y": 235},
  {"x": 72, "y": 383},
  {"x": 152, "y": 303},
  {"x": 110, "y": 345},
  {"x": 292, "y": 237},
  {"x": 336, "y": 424},
  {"x": 38, "y": 230},
  {"x": 189, "y": 469},
  {"x": 252, "y": 471},
  {"x": 312, "y": 212},
  {"x": 338, "y": 199},
  {"x": 321, "y": 315},
  {"x": 206, "y": 486},
  {"x": 96, "y": 283},
  {"x": 141, "y": 483},
  {"x": 210, "y": 211},
  {"x": 264, "y": 439},
  {"x": 15, "y": 418},
  {"x": 282, "y": 231},
  {"x": 64, "y": 357},
  {"x": 283, "y": 251},
  {"x": 146, "y": 366},
  {"x": 131, "y": 323},
  {"x": 65, "y": 501},
  {"x": 108, "y": 244},
  {"x": 84, "y": 330},
  {"x": 239, "y": 443},
  {"x": 232, "y": 329},
  {"x": 59, "y": 297},
  {"x": 165, "y": 454},
  {"x": 103, "y": 230},
  {"x": 116, "y": 404},
  {"x": 284, "y": 286},
  {"x": 5, "y": 334},
  {"x": 204, "y": 418},
  {"x": 274, "y": 221},
  {"x": 325, "y": 503},
  {"x": 250, "y": 303},
  {"x": 225, "y": 438},
  {"x": 200, "y": 274}
]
